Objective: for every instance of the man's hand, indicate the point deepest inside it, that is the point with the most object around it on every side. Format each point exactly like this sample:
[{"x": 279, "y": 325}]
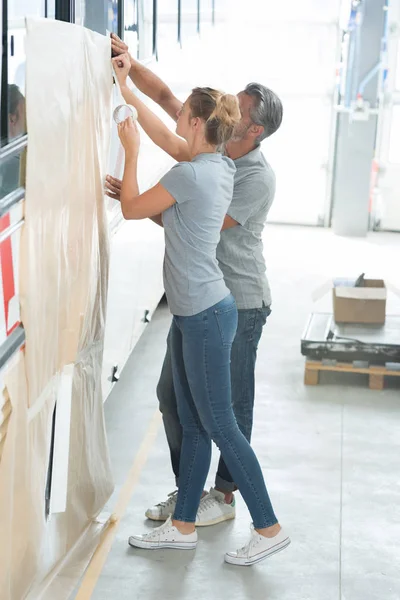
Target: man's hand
[
  {"x": 118, "y": 46},
  {"x": 113, "y": 187}
]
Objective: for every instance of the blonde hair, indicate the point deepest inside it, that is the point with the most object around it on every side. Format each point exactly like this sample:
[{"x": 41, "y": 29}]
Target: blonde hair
[{"x": 219, "y": 111}]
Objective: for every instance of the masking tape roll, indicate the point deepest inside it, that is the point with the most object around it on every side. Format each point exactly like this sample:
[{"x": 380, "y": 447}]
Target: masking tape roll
[{"x": 118, "y": 114}]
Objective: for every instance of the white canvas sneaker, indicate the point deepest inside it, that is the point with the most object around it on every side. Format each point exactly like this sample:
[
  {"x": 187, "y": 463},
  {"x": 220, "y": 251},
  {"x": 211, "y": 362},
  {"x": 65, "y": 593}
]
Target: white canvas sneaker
[
  {"x": 213, "y": 509},
  {"x": 163, "y": 510},
  {"x": 165, "y": 536},
  {"x": 258, "y": 548}
]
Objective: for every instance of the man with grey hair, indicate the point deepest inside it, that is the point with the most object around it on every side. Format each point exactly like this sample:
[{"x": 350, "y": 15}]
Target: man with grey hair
[{"x": 241, "y": 259}]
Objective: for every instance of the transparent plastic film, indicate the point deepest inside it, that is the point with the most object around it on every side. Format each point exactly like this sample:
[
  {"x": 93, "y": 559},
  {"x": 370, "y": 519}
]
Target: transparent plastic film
[{"x": 55, "y": 474}]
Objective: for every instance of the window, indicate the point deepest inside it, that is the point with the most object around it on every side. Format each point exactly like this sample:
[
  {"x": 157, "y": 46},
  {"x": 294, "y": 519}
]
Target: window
[
  {"x": 167, "y": 25},
  {"x": 18, "y": 10},
  {"x": 146, "y": 28},
  {"x": 394, "y": 144},
  {"x": 189, "y": 19},
  {"x": 397, "y": 75},
  {"x": 206, "y": 14},
  {"x": 131, "y": 26},
  {"x": 50, "y": 9},
  {"x": 98, "y": 15},
  {"x": 139, "y": 27},
  {"x": 113, "y": 16},
  {"x": 13, "y": 118}
]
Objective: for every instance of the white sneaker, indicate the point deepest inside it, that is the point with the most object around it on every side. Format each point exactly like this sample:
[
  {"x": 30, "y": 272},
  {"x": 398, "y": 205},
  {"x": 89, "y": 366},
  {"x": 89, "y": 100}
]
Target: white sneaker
[
  {"x": 258, "y": 548},
  {"x": 165, "y": 536},
  {"x": 213, "y": 509},
  {"x": 161, "y": 512}
]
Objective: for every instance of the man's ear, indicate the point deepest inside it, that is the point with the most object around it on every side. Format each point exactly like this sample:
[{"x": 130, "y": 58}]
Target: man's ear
[{"x": 256, "y": 130}]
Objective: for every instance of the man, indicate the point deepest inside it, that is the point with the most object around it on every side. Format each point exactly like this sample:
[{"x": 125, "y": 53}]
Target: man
[
  {"x": 240, "y": 256},
  {"x": 10, "y": 171}
]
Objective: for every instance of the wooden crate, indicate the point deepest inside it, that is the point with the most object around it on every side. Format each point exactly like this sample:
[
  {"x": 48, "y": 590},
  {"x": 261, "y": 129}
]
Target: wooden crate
[{"x": 376, "y": 374}]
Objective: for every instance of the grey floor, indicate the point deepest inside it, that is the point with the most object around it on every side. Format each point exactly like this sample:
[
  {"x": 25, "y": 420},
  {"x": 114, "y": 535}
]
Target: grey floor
[{"x": 330, "y": 454}]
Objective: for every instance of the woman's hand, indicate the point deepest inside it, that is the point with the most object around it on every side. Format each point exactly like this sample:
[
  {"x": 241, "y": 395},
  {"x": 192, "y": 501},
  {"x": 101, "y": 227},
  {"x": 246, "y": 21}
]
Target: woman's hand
[
  {"x": 122, "y": 66},
  {"x": 130, "y": 137},
  {"x": 113, "y": 187}
]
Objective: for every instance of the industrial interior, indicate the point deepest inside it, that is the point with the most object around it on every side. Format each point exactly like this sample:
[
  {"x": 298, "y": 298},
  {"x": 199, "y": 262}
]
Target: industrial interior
[{"x": 86, "y": 312}]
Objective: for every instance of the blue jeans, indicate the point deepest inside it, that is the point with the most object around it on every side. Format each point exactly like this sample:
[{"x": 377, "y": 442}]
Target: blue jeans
[
  {"x": 200, "y": 356},
  {"x": 243, "y": 361}
]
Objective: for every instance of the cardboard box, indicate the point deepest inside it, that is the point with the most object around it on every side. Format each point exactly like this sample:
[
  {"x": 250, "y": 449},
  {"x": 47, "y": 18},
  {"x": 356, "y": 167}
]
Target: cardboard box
[{"x": 366, "y": 304}]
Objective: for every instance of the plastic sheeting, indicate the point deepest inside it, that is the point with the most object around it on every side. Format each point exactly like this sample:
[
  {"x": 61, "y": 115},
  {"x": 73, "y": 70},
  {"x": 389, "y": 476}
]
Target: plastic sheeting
[{"x": 63, "y": 281}]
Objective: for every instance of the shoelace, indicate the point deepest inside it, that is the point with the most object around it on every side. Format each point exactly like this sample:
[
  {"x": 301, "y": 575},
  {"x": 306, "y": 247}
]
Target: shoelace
[
  {"x": 207, "y": 502},
  {"x": 247, "y": 548},
  {"x": 171, "y": 499},
  {"x": 155, "y": 533}
]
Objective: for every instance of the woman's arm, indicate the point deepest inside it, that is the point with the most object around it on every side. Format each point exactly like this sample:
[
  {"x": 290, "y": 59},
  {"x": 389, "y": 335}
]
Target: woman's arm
[
  {"x": 133, "y": 204},
  {"x": 153, "y": 126},
  {"x": 113, "y": 190},
  {"x": 137, "y": 206}
]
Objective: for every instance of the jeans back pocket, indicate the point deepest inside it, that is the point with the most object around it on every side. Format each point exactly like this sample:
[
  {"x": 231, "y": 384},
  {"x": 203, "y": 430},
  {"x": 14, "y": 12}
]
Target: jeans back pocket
[{"x": 227, "y": 320}]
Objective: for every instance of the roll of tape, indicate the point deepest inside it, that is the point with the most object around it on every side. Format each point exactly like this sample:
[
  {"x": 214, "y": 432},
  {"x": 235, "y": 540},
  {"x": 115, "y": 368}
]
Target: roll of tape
[{"x": 123, "y": 111}]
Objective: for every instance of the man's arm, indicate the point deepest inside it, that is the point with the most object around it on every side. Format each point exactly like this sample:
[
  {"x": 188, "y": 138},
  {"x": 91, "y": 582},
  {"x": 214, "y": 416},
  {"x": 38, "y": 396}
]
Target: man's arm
[
  {"x": 147, "y": 82},
  {"x": 158, "y": 132},
  {"x": 229, "y": 223},
  {"x": 158, "y": 220}
]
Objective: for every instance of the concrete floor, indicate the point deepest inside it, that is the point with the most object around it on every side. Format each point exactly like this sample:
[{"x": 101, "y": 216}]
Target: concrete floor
[{"x": 330, "y": 454}]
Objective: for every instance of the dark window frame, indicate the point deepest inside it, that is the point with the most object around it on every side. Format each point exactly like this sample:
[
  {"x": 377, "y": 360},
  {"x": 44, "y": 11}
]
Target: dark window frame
[
  {"x": 4, "y": 75},
  {"x": 155, "y": 29},
  {"x": 120, "y": 18},
  {"x": 65, "y": 10}
]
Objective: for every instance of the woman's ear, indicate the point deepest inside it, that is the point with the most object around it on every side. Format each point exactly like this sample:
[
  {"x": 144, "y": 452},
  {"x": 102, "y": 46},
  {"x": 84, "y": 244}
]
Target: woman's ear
[{"x": 196, "y": 121}]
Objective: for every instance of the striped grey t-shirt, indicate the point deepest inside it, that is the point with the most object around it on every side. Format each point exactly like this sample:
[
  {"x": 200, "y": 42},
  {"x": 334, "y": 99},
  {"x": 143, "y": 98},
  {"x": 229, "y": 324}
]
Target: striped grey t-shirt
[{"x": 240, "y": 252}]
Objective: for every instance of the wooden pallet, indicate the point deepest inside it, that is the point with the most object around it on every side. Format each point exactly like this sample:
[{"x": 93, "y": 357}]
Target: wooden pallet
[{"x": 376, "y": 374}]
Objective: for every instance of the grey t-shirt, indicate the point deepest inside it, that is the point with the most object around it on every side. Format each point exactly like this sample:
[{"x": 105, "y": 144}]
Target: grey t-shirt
[
  {"x": 240, "y": 251},
  {"x": 203, "y": 191}
]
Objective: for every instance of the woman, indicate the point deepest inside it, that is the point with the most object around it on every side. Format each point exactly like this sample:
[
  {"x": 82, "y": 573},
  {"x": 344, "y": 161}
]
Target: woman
[{"x": 191, "y": 202}]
